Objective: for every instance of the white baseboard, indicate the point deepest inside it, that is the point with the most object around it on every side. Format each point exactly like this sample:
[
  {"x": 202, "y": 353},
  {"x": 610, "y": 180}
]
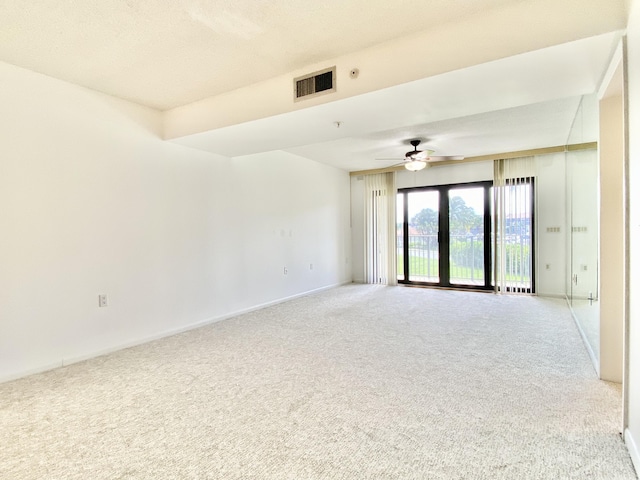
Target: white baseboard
[
  {"x": 30, "y": 371},
  {"x": 632, "y": 446},
  {"x": 166, "y": 333},
  {"x": 551, "y": 295}
]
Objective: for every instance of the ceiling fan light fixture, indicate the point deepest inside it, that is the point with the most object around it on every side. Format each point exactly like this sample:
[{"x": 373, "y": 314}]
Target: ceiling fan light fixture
[{"x": 415, "y": 165}]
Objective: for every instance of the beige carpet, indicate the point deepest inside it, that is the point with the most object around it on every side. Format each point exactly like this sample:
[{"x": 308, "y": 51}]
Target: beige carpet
[{"x": 359, "y": 382}]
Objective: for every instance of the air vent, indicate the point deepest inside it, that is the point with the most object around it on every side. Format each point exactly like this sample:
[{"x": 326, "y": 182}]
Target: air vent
[{"x": 314, "y": 84}]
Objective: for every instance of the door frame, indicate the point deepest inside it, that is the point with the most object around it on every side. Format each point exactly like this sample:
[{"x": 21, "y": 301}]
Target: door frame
[{"x": 444, "y": 235}]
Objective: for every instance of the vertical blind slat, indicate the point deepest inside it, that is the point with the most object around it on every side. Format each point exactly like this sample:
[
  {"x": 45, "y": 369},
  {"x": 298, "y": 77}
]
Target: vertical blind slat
[
  {"x": 512, "y": 230},
  {"x": 380, "y": 229}
]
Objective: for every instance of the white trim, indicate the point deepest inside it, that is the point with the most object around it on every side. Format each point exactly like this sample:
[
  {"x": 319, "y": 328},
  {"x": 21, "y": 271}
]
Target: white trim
[
  {"x": 30, "y": 371},
  {"x": 632, "y": 446},
  {"x": 561, "y": 296},
  {"x": 614, "y": 63},
  {"x": 167, "y": 333}
]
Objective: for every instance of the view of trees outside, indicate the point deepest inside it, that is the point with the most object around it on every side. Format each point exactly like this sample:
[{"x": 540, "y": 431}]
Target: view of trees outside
[
  {"x": 426, "y": 222},
  {"x": 463, "y": 219},
  {"x": 466, "y": 235}
]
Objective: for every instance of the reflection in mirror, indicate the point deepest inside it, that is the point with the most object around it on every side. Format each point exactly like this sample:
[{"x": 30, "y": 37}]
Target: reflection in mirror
[{"x": 583, "y": 225}]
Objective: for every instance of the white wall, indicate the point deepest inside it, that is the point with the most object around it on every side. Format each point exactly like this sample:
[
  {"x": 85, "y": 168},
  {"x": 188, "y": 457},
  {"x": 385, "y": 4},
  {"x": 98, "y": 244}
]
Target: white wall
[
  {"x": 296, "y": 215},
  {"x": 632, "y": 434},
  {"x": 446, "y": 174},
  {"x": 93, "y": 201},
  {"x": 551, "y": 194}
]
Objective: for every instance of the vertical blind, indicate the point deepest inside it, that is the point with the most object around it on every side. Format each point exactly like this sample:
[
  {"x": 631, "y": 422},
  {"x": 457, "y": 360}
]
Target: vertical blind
[
  {"x": 513, "y": 214},
  {"x": 380, "y": 224}
]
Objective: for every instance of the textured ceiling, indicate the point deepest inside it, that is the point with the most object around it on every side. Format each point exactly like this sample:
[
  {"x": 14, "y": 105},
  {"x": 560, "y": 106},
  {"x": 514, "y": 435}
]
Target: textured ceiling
[{"x": 164, "y": 53}]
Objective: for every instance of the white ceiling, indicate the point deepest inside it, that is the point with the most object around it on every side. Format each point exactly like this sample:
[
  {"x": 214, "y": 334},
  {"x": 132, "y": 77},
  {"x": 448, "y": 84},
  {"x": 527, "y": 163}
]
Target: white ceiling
[
  {"x": 165, "y": 54},
  {"x": 521, "y": 102}
]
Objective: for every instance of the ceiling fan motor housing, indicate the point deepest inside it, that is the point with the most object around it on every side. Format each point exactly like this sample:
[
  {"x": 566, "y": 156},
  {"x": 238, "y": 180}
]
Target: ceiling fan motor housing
[{"x": 415, "y": 150}]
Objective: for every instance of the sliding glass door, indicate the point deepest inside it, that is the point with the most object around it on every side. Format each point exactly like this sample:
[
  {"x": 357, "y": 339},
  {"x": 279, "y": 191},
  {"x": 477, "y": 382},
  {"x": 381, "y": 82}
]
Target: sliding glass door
[{"x": 441, "y": 236}]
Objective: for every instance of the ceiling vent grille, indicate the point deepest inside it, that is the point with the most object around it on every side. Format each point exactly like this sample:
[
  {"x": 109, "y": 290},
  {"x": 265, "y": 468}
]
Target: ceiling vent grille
[{"x": 314, "y": 84}]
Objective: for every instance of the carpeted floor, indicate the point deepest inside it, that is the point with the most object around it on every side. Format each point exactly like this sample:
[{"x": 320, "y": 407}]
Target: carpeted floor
[{"x": 359, "y": 382}]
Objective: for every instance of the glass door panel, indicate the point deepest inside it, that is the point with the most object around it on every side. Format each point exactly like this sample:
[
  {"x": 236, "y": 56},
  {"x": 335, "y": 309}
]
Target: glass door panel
[
  {"x": 423, "y": 208},
  {"x": 466, "y": 236},
  {"x": 400, "y": 235}
]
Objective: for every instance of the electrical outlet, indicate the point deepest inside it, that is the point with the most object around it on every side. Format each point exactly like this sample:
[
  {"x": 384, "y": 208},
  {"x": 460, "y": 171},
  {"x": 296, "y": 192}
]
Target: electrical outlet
[
  {"x": 311, "y": 266},
  {"x": 102, "y": 300},
  {"x": 285, "y": 271}
]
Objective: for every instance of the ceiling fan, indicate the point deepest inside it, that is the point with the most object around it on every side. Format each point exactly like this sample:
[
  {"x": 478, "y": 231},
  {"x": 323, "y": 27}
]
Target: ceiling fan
[{"x": 415, "y": 159}]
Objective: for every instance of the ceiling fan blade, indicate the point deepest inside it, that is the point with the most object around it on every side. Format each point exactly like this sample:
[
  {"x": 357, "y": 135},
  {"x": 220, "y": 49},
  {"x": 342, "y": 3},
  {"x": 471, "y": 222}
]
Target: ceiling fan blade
[
  {"x": 402, "y": 162},
  {"x": 445, "y": 158},
  {"x": 393, "y": 165},
  {"x": 420, "y": 155}
]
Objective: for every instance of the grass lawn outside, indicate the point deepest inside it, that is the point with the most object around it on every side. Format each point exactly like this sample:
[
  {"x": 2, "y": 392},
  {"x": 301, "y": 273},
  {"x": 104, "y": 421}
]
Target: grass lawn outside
[{"x": 428, "y": 267}]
